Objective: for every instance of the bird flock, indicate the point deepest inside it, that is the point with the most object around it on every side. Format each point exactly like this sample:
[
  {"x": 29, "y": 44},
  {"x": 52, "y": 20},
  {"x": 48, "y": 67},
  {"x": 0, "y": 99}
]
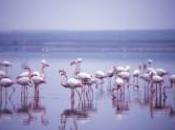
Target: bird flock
[
  {"x": 82, "y": 84},
  {"x": 27, "y": 78},
  {"x": 122, "y": 77}
]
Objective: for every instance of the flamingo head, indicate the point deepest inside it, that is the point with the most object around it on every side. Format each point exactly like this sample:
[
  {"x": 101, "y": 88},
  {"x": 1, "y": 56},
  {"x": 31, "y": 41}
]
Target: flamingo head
[
  {"x": 44, "y": 63},
  {"x": 150, "y": 61},
  {"x": 79, "y": 60}
]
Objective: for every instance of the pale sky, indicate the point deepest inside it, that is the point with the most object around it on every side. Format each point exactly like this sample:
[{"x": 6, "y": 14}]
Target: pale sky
[{"x": 86, "y": 14}]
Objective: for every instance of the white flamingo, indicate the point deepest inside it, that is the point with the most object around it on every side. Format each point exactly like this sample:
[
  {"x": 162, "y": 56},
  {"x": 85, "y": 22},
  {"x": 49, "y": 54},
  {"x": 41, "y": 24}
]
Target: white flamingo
[
  {"x": 39, "y": 78},
  {"x": 110, "y": 73},
  {"x": 118, "y": 85},
  {"x": 6, "y": 83},
  {"x": 71, "y": 83},
  {"x": 25, "y": 82},
  {"x": 156, "y": 81},
  {"x": 89, "y": 80}
]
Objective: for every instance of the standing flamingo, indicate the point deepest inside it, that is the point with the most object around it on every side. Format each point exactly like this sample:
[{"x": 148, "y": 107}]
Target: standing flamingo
[
  {"x": 39, "y": 77},
  {"x": 110, "y": 73},
  {"x": 87, "y": 80},
  {"x": 6, "y": 83},
  {"x": 118, "y": 85},
  {"x": 157, "y": 82},
  {"x": 71, "y": 83}
]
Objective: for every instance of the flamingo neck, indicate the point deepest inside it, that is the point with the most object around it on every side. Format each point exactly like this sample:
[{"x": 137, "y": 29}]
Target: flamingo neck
[
  {"x": 42, "y": 72},
  {"x": 64, "y": 79},
  {"x": 77, "y": 69},
  {"x": 30, "y": 72}
]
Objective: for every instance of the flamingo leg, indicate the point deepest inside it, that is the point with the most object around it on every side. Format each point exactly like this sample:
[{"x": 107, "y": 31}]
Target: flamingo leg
[{"x": 13, "y": 91}]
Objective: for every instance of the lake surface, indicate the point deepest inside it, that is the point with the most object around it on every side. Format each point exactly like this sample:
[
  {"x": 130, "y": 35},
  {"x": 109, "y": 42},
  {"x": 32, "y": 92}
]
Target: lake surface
[{"x": 56, "y": 110}]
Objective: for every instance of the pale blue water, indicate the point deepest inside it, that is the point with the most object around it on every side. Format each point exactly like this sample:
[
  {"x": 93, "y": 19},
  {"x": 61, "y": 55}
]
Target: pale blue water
[{"x": 101, "y": 112}]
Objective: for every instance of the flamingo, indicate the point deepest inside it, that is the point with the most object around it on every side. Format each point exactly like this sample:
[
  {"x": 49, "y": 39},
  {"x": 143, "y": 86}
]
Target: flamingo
[
  {"x": 37, "y": 81},
  {"x": 24, "y": 82},
  {"x": 6, "y": 83},
  {"x": 110, "y": 73},
  {"x": 156, "y": 81},
  {"x": 87, "y": 79},
  {"x": 71, "y": 83},
  {"x": 118, "y": 85},
  {"x": 39, "y": 77}
]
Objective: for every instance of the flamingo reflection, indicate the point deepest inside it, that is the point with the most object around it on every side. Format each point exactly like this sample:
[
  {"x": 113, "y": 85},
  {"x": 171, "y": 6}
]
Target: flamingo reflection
[
  {"x": 7, "y": 108},
  {"x": 158, "y": 102},
  {"x": 25, "y": 108},
  {"x": 120, "y": 104},
  {"x": 37, "y": 108},
  {"x": 77, "y": 112}
]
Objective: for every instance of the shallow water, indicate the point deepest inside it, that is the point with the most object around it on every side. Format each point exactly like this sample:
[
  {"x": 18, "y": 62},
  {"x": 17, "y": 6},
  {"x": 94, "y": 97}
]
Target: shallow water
[{"x": 56, "y": 110}]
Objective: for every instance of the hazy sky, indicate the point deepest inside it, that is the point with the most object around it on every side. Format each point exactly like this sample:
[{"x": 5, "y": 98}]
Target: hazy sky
[{"x": 86, "y": 14}]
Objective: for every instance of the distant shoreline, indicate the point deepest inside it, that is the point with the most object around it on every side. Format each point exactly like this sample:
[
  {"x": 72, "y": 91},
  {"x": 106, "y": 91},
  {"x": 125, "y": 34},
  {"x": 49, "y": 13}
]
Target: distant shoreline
[{"x": 89, "y": 41}]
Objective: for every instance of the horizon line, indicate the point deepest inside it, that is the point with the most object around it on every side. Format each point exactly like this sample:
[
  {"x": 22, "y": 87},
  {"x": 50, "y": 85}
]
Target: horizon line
[{"x": 95, "y": 30}]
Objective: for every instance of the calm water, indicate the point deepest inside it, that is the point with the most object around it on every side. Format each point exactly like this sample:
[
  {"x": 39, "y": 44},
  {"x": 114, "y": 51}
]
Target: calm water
[{"x": 55, "y": 110}]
